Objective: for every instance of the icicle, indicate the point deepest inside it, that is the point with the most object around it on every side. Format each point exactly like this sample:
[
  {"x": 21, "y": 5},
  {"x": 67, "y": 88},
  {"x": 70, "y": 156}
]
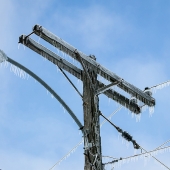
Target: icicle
[
  {"x": 133, "y": 115},
  {"x": 24, "y": 46},
  {"x": 135, "y": 151},
  {"x": 119, "y": 134},
  {"x": 119, "y": 164},
  {"x": 138, "y": 117},
  {"x": 17, "y": 71},
  {"x": 64, "y": 110},
  {"x": 28, "y": 76},
  {"x": 20, "y": 73},
  {"x": 11, "y": 67},
  {"x": 160, "y": 86},
  {"x": 18, "y": 45},
  {"x": 24, "y": 73},
  {"x": 123, "y": 141},
  {"x": 151, "y": 111},
  {"x": 78, "y": 81},
  {"x": 52, "y": 96},
  {"x": 127, "y": 144},
  {"x": 5, "y": 64},
  {"x": 14, "y": 70}
]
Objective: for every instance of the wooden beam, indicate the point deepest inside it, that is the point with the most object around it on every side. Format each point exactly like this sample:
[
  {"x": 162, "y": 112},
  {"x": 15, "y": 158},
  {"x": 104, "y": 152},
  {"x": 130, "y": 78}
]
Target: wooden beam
[
  {"x": 57, "y": 60},
  {"x": 107, "y": 74}
]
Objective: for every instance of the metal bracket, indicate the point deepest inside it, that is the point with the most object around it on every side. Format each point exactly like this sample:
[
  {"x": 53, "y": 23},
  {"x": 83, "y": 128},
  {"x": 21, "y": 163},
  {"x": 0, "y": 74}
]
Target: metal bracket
[{"x": 105, "y": 88}]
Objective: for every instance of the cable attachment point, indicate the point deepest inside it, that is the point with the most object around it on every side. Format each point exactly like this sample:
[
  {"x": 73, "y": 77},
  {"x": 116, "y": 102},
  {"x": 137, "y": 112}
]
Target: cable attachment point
[{"x": 135, "y": 145}]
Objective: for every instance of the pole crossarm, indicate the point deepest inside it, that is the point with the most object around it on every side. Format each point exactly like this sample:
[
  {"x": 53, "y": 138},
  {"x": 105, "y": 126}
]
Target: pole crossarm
[
  {"x": 45, "y": 85},
  {"x": 54, "y": 58},
  {"x": 62, "y": 63},
  {"x": 133, "y": 107},
  {"x": 110, "y": 76}
]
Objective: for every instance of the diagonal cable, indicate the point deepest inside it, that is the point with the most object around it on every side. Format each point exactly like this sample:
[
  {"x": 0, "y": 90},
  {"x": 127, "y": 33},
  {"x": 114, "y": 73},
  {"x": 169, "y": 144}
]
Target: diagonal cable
[
  {"x": 129, "y": 138},
  {"x": 76, "y": 146},
  {"x": 70, "y": 82},
  {"x": 120, "y": 159}
]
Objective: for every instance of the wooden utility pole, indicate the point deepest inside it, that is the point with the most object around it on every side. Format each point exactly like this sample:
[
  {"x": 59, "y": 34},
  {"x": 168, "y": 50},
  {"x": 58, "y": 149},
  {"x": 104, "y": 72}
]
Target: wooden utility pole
[
  {"x": 91, "y": 89},
  {"x": 92, "y": 140}
]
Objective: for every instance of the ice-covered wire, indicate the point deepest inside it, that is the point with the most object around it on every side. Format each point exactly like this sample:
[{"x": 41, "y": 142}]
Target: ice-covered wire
[
  {"x": 64, "y": 157},
  {"x": 104, "y": 121},
  {"x": 3, "y": 57},
  {"x": 137, "y": 155},
  {"x": 71, "y": 82},
  {"x": 125, "y": 135},
  {"x": 81, "y": 142},
  {"x": 161, "y": 85},
  {"x": 129, "y": 138},
  {"x": 156, "y": 158},
  {"x": 146, "y": 154},
  {"x": 163, "y": 144}
]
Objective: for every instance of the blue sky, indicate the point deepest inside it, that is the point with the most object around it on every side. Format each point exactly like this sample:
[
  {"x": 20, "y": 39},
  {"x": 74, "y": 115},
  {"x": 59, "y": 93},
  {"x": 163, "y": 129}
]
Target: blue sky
[{"x": 131, "y": 38}]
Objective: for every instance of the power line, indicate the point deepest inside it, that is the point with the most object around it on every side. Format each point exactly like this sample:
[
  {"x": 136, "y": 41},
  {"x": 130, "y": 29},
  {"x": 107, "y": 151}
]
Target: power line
[
  {"x": 163, "y": 144},
  {"x": 129, "y": 138},
  {"x": 156, "y": 159},
  {"x": 161, "y": 85},
  {"x": 104, "y": 121},
  {"x": 145, "y": 154},
  {"x": 76, "y": 146},
  {"x": 68, "y": 154},
  {"x": 71, "y": 82}
]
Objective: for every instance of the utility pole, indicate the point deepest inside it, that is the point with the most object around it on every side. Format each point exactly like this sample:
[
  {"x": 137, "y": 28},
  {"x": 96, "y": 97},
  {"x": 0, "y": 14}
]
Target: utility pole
[
  {"x": 91, "y": 89},
  {"x": 92, "y": 140}
]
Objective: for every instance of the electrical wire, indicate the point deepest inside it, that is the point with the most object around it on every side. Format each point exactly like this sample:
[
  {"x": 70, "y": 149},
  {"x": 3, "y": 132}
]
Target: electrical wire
[
  {"x": 120, "y": 159},
  {"x": 129, "y": 138},
  {"x": 163, "y": 144},
  {"x": 64, "y": 157},
  {"x": 156, "y": 159},
  {"x": 76, "y": 146},
  {"x": 104, "y": 121},
  {"x": 70, "y": 82},
  {"x": 161, "y": 84}
]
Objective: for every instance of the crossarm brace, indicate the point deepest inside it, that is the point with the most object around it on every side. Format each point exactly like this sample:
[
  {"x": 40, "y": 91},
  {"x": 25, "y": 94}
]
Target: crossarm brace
[{"x": 105, "y": 88}]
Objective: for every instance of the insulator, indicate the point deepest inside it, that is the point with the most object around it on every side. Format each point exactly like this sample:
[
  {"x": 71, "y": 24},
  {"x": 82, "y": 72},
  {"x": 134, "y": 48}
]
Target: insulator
[
  {"x": 148, "y": 91},
  {"x": 133, "y": 100}
]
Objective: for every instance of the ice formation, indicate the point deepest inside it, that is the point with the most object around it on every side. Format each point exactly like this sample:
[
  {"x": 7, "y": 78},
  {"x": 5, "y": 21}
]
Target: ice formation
[{"x": 67, "y": 155}]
